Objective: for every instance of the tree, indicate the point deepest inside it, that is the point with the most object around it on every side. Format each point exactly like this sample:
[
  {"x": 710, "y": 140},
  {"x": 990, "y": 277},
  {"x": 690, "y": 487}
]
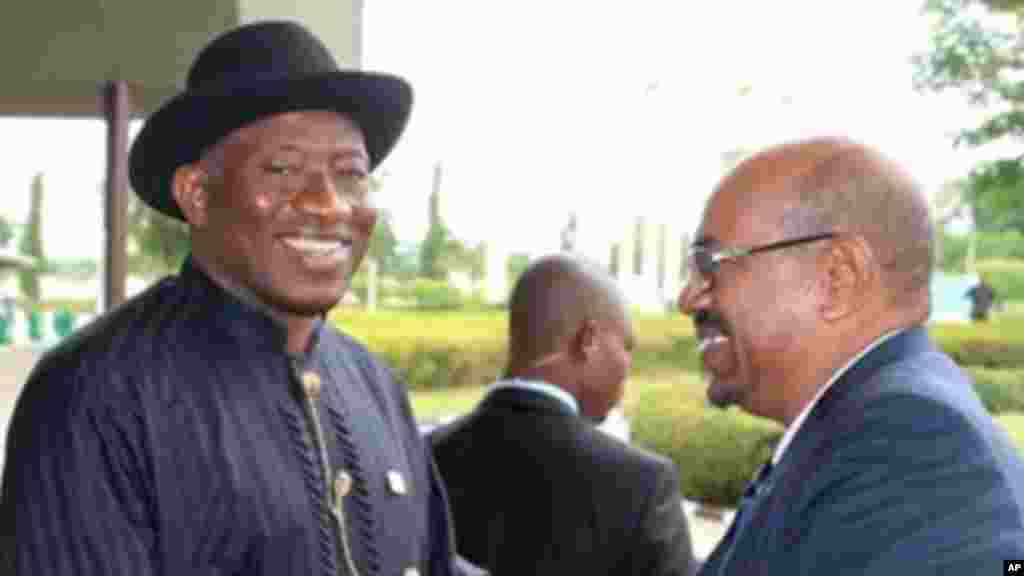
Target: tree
[
  {"x": 384, "y": 245},
  {"x": 977, "y": 48},
  {"x": 32, "y": 243},
  {"x": 438, "y": 239},
  {"x": 517, "y": 263},
  {"x": 159, "y": 244},
  {"x": 639, "y": 244},
  {"x": 6, "y": 232}
]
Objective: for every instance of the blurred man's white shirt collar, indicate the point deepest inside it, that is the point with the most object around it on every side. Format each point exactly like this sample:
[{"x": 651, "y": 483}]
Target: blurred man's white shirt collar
[
  {"x": 541, "y": 387},
  {"x": 794, "y": 426}
]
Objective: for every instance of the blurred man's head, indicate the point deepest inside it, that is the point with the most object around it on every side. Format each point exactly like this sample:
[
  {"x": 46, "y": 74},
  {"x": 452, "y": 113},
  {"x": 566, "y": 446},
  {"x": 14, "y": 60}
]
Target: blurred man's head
[
  {"x": 806, "y": 253},
  {"x": 569, "y": 326}
]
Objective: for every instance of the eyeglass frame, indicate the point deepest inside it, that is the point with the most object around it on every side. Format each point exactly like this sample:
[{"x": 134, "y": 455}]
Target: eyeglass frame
[{"x": 721, "y": 254}]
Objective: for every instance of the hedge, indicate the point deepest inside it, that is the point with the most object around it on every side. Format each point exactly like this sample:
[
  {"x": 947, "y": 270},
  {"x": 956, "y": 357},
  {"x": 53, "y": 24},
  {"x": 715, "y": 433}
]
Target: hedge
[
  {"x": 430, "y": 349},
  {"x": 467, "y": 348},
  {"x": 1005, "y": 275},
  {"x": 717, "y": 452},
  {"x": 1000, "y": 390}
]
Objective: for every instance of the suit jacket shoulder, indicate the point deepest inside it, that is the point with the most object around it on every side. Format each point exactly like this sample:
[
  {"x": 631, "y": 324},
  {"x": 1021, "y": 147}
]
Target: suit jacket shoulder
[
  {"x": 537, "y": 490},
  {"x": 891, "y": 465}
]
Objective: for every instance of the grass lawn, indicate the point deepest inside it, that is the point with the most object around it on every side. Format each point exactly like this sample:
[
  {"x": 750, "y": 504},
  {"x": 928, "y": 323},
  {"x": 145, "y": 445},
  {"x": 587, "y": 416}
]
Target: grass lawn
[
  {"x": 430, "y": 405},
  {"x": 1013, "y": 422}
]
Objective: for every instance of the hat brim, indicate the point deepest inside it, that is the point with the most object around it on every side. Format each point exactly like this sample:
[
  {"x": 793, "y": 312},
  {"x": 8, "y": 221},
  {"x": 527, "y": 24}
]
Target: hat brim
[{"x": 189, "y": 123}]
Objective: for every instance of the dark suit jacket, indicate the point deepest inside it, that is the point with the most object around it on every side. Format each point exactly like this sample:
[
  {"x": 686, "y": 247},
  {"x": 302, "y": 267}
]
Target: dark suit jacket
[
  {"x": 536, "y": 490},
  {"x": 897, "y": 470}
]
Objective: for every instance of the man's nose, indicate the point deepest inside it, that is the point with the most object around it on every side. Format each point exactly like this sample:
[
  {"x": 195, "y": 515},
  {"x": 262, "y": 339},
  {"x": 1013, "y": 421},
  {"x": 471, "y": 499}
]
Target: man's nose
[{"x": 320, "y": 197}]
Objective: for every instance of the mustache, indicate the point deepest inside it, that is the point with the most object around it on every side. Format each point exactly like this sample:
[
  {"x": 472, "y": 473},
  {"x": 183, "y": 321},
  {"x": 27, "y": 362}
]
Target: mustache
[{"x": 709, "y": 318}]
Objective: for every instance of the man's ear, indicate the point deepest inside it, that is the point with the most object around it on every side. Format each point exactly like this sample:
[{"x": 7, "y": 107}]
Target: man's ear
[
  {"x": 584, "y": 341},
  {"x": 189, "y": 186},
  {"x": 849, "y": 279}
]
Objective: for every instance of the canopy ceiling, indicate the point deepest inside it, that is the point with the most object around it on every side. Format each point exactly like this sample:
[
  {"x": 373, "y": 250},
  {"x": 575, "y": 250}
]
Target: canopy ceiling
[{"x": 59, "y": 53}]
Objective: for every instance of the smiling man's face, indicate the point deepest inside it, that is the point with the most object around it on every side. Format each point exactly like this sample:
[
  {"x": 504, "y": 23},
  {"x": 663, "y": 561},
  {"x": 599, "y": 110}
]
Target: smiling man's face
[{"x": 288, "y": 218}]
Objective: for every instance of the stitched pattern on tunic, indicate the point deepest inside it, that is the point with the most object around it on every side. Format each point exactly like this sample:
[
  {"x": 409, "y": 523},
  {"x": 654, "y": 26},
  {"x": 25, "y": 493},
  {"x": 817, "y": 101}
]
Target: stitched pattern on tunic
[
  {"x": 314, "y": 486},
  {"x": 360, "y": 494}
]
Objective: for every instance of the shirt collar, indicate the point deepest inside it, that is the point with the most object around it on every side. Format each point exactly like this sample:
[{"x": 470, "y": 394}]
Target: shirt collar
[
  {"x": 797, "y": 422},
  {"x": 540, "y": 387},
  {"x": 244, "y": 322}
]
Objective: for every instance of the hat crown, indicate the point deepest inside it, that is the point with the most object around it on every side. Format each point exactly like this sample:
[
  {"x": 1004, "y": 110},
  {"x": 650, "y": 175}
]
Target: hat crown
[{"x": 264, "y": 49}]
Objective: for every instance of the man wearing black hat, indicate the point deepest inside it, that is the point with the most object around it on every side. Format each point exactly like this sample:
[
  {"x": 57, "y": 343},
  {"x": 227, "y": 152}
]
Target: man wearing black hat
[{"x": 215, "y": 424}]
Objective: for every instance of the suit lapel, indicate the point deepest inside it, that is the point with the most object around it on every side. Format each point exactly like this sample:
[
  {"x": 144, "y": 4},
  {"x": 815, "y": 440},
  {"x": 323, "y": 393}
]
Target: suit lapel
[{"x": 803, "y": 457}]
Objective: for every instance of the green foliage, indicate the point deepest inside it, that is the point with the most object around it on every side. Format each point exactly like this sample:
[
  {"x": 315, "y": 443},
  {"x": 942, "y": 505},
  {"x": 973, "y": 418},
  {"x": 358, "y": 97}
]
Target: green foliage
[
  {"x": 517, "y": 263},
  {"x": 717, "y": 451},
  {"x": 1005, "y": 276},
  {"x": 953, "y": 255},
  {"x": 639, "y": 244},
  {"x": 384, "y": 245},
  {"x": 431, "y": 294},
  {"x": 63, "y": 322},
  {"x": 32, "y": 243},
  {"x": 1000, "y": 390},
  {"x": 35, "y": 325},
  {"x": 976, "y": 49},
  {"x": 438, "y": 235},
  {"x": 157, "y": 244},
  {"x": 996, "y": 344},
  {"x": 5, "y": 328},
  {"x": 1013, "y": 423},
  {"x": 6, "y": 232}
]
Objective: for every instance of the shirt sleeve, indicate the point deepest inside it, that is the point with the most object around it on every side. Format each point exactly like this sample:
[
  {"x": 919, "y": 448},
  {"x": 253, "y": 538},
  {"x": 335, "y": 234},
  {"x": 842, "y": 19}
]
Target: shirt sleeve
[{"x": 73, "y": 493}]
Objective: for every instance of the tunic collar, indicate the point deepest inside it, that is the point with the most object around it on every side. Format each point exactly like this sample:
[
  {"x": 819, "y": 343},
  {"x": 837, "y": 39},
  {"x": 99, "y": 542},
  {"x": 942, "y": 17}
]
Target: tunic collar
[{"x": 239, "y": 320}]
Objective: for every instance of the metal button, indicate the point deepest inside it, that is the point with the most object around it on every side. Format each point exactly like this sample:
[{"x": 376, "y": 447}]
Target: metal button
[
  {"x": 342, "y": 484},
  {"x": 311, "y": 384},
  {"x": 411, "y": 571},
  {"x": 396, "y": 483}
]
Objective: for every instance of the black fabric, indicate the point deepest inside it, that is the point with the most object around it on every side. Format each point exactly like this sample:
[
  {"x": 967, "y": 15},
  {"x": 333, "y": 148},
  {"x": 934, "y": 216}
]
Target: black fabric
[
  {"x": 166, "y": 438},
  {"x": 898, "y": 469},
  {"x": 252, "y": 72},
  {"x": 537, "y": 490}
]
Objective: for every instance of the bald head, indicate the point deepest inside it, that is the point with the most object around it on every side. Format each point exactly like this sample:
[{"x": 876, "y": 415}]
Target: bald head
[
  {"x": 552, "y": 299},
  {"x": 839, "y": 185}
]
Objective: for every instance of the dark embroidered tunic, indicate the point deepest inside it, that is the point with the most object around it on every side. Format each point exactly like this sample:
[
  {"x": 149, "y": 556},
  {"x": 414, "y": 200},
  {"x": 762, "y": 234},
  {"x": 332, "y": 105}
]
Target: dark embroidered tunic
[{"x": 171, "y": 437}]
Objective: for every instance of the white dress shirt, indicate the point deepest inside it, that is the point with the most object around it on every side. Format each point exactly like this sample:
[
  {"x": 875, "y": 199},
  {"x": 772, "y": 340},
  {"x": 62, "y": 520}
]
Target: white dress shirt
[
  {"x": 541, "y": 387},
  {"x": 797, "y": 422}
]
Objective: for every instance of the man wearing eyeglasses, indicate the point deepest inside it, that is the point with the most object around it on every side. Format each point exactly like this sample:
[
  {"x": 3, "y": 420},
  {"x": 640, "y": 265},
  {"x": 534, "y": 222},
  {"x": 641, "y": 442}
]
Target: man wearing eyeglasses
[{"x": 809, "y": 292}]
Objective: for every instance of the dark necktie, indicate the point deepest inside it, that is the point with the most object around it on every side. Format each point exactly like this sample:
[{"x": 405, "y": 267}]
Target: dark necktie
[{"x": 754, "y": 492}]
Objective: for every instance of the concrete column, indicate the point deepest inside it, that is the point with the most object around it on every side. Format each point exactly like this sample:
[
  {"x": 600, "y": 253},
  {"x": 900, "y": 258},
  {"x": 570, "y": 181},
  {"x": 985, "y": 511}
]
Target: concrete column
[{"x": 117, "y": 109}]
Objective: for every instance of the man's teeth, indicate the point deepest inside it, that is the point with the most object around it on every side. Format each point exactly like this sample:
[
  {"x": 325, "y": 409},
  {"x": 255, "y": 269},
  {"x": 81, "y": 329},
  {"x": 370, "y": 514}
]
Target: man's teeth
[
  {"x": 313, "y": 245},
  {"x": 709, "y": 341}
]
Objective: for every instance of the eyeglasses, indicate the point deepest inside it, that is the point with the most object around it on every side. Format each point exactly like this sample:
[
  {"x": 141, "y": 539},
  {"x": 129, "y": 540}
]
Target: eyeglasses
[{"x": 705, "y": 260}]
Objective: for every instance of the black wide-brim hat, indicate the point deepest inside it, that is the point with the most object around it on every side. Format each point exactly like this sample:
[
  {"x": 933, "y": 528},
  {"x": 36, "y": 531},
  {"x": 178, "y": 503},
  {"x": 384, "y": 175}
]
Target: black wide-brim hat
[{"x": 249, "y": 73}]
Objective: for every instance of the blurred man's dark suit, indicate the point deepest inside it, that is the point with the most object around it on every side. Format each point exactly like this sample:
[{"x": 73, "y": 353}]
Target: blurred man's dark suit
[
  {"x": 536, "y": 489},
  {"x": 898, "y": 469}
]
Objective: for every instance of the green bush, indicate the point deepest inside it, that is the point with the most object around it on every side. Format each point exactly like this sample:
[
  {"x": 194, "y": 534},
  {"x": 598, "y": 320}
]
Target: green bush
[
  {"x": 717, "y": 452},
  {"x": 35, "y": 325},
  {"x": 421, "y": 344},
  {"x": 997, "y": 344},
  {"x": 1000, "y": 390},
  {"x": 435, "y": 295},
  {"x": 1005, "y": 275},
  {"x": 1013, "y": 423}
]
